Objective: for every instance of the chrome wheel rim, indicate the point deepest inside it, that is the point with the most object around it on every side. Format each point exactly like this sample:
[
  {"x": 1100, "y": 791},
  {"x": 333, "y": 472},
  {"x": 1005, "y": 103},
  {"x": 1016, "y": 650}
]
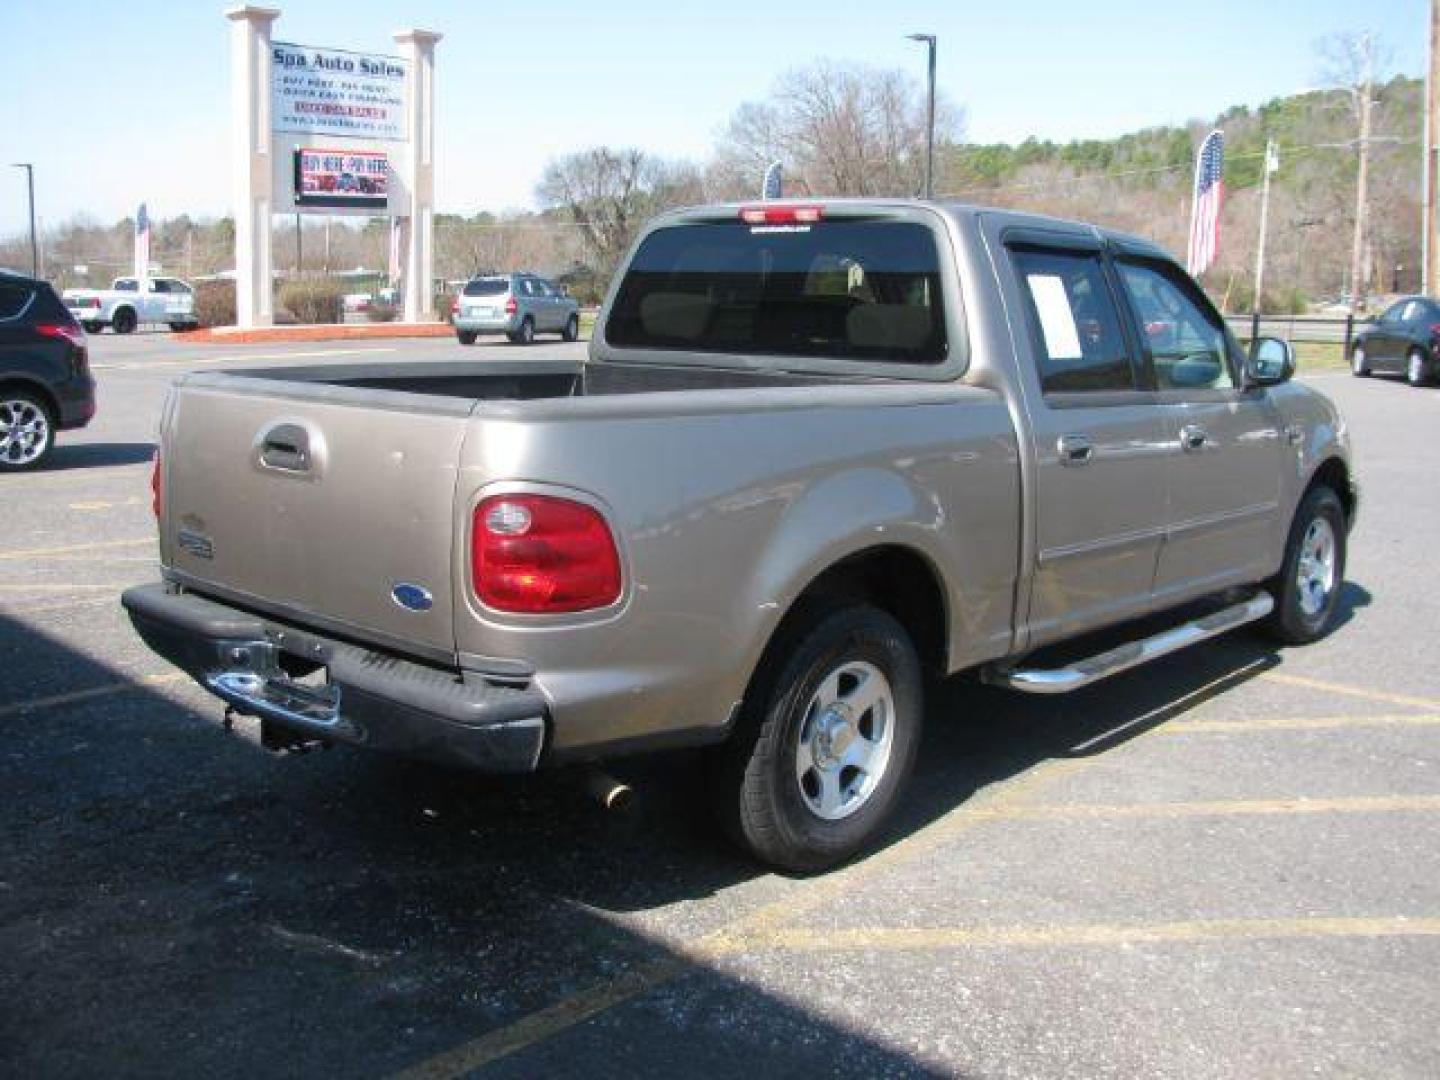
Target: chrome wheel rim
[
  {"x": 1358, "y": 360},
  {"x": 845, "y": 740},
  {"x": 1317, "y": 570},
  {"x": 24, "y": 431},
  {"x": 1417, "y": 367}
]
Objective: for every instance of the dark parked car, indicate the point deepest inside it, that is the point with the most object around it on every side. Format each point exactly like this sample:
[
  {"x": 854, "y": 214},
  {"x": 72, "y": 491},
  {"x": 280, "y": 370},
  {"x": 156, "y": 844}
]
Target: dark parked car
[
  {"x": 45, "y": 383},
  {"x": 1404, "y": 340}
]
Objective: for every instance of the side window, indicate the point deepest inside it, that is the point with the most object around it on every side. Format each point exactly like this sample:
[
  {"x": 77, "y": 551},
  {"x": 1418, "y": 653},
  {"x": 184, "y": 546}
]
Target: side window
[
  {"x": 542, "y": 289},
  {"x": 1189, "y": 350},
  {"x": 1414, "y": 311},
  {"x": 1074, "y": 320},
  {"x": 13, "y": 299},
  {"x": 159, "y": 285},
  {"x": 126, "y": 285},
  {"x": 1392, "y": 316}
]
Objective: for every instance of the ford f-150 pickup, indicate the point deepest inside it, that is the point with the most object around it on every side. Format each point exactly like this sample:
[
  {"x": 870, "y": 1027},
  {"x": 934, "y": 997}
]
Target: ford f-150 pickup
[
  {"x": 818, "y": 451},
  {"x": 132, "y": 302}
]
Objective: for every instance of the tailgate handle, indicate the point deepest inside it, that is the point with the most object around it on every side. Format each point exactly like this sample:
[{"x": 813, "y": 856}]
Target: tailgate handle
[{"x": 286, "y": 446}]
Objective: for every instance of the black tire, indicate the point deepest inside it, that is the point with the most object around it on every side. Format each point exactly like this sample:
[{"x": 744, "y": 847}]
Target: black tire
[
  {"x": 1417, "y": 370},
  {"x": 466, "y": 337},
  {"x": 93, "y": 327},
  {"x": 124, "y": 321},
  {"x": 21, "y": 450},
  {"x": 1296, "y": 621},
  {"x": 526, "y": 334},
  {"x": 572, "y": 329},
  {"x": 757, "y": 793},
  {"x": 1359, "y": 364}
]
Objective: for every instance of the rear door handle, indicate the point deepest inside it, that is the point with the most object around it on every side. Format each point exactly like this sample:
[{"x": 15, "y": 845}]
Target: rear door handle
[
  {"x": 1193, "y": 438},
  {"x": 1075, "y": 450}
]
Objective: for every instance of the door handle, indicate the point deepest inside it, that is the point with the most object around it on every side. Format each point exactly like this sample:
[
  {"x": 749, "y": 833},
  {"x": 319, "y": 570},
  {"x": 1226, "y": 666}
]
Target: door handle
[
  {"x": 286, "y": 447},
  {"x": 1193, "y": 438},
  {"x": 1075, "y": 450}
]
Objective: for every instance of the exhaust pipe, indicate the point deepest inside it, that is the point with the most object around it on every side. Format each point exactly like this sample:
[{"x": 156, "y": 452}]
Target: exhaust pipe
[{"x": 611, "y": 794}]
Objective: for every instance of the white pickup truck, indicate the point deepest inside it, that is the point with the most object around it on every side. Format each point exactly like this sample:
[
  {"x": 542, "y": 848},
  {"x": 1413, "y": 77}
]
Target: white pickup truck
[{"x": 126, "y": 305}]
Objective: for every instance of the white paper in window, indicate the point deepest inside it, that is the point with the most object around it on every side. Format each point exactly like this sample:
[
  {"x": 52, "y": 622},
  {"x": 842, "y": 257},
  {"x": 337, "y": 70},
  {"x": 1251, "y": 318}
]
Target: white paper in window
[{"x": 1057, "y": 321}]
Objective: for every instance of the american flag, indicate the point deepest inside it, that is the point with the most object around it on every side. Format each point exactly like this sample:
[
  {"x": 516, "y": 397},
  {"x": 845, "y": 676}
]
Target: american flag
[
  {"x": 142, "y": 243},
  {"x": 1209, "y": 196}
]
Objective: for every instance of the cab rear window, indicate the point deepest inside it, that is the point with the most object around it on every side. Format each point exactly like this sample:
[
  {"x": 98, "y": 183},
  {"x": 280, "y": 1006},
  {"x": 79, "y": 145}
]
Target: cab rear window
[{"x": 858, "y": 290}]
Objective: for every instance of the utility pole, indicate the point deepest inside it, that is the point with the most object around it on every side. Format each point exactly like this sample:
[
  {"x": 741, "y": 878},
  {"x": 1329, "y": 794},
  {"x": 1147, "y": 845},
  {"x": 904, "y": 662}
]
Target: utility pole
[
  {"x": 34, "y": 242},
  {"x": 1272, "y": 163},
  {"x": 1364, "y": 104},
  {"x": 1429, "y": 255}
]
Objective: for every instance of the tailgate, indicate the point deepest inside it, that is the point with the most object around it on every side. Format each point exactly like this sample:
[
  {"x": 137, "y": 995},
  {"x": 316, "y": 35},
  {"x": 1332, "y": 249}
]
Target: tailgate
[{"x": 316, "y": 505}]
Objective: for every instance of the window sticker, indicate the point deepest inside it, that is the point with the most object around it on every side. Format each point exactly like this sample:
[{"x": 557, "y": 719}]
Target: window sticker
[{"x": 1057, "y": 320}]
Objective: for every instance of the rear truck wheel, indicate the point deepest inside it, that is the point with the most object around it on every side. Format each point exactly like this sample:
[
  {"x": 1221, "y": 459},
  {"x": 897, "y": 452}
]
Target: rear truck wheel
[
  {"x": 27, "y": 431},
  {"x": 1307, "y": 590},
  {"x": 124, "y": 320},
  {"x": 526, "y": 334},
  {"x": 466, "y": 337},
  {"x": 825, "y": 740},
  {"x": 93, "y": 327},
  {"x": 1359, "y": 366},
  {"x": 1417, "y": 371},
  {"x": 572, "y": 329}
]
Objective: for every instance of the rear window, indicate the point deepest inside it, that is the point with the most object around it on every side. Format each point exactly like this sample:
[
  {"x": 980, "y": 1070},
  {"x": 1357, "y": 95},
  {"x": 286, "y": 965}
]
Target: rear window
[
  {"x": 493, "y": 286},
  {"x": 13, "y": 299},
  {"x": 861, "y": 290}
]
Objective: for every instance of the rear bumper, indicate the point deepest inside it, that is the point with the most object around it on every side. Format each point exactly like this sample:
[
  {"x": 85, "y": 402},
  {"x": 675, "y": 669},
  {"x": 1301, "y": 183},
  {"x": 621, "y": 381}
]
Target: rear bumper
[
  {"x": 504, "y": 324},
  {"x": 370, "y": 699},
  {"x": 76, "y": 400}
]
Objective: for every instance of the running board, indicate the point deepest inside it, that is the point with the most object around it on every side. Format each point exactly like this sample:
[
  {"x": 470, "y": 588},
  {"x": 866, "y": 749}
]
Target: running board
[{"x": 1092, "y": 669}]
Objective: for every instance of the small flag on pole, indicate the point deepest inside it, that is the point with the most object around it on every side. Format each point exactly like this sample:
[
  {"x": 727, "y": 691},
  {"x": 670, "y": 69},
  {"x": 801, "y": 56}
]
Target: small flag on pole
[
  {"x": 142, "y": 243},
  {"x": 1209, "y": 196},
  {"x": 770, "y": 189}
]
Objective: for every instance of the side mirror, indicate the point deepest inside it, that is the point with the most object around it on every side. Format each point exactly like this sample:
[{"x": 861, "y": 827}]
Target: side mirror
[{"x": 1270, "y": 363}]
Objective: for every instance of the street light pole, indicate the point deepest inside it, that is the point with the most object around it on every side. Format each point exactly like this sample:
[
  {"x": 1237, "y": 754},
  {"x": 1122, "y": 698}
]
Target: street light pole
[
  {"x": 34, "y": 243},
  {"x": 929, "y": 40}
]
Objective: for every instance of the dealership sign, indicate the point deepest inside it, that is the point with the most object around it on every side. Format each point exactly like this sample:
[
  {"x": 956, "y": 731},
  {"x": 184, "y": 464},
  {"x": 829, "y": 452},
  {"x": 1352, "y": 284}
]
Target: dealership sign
[
  {"x": 334, "y": 92},
  {"x": 330, "y": 177}
]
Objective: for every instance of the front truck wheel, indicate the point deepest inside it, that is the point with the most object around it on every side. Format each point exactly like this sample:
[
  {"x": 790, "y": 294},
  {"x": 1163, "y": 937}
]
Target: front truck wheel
[
  {"x": 826, "y": 738},
  {"x": 1307, "y": 591}
]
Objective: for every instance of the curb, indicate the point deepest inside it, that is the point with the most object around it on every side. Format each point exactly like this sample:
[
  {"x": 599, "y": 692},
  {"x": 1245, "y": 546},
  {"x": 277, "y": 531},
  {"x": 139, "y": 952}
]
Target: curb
[{"x": 230, "y": 335}]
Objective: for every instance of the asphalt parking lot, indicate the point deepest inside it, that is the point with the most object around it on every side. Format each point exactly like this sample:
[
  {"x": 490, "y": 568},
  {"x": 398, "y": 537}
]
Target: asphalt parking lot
[{"x": 1225, "y": 864}]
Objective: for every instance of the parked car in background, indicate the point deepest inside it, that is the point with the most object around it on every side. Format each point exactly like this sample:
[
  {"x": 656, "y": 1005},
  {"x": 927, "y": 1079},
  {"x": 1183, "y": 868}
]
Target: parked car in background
[
  {"x": 125, "y": 306},
  {"x": 516, "y": 305},
  {"x": 1404, "y": 340},
  {"x": 45, "y": 382}
]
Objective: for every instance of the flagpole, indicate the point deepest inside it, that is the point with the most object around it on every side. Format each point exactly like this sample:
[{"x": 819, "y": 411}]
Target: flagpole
[{"x": 1271, "y": 164}]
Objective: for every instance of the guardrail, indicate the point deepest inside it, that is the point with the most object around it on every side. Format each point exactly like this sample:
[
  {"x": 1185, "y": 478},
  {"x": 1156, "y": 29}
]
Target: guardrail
[{"x": 1318, "y": 329}]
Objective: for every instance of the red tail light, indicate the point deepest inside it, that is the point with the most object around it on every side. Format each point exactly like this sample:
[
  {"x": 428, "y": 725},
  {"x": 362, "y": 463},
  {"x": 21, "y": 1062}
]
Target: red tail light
[
  {"x": 1435, "y": 331},
  {"x": 781, "y": 215},
  {"x": 64, "y": 332},
  {"x": 454, "y": 305},
  {"x": 536, "y": 554},
  {"x": 155, "y": 485},
  {"x": 511, "y": 306}
]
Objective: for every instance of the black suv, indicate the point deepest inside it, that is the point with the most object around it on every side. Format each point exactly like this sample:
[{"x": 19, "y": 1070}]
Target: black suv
[{"x": 45, "y": 383}]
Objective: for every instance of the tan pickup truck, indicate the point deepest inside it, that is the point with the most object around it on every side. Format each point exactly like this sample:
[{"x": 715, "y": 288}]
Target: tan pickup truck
[{"x": 818, "y": 451}]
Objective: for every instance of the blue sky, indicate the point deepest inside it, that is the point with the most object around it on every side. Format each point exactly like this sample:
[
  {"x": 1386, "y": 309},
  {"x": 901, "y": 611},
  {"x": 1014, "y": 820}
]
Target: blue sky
[{"x": 123, "y": 101}]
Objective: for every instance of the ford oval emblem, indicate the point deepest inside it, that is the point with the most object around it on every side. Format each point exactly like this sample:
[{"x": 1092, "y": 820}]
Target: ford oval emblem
[{"x": 412, "y": 597}]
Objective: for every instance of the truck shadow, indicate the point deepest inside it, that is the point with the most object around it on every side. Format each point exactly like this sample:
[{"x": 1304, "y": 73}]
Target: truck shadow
[{"x": 178, "y": 900}]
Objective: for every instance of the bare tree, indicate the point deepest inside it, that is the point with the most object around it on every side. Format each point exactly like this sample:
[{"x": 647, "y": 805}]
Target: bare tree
[
  {"x": 610, "y": 193},
  {"x": 1350, "y": 63},
  {"x": 839, "y": 130}
]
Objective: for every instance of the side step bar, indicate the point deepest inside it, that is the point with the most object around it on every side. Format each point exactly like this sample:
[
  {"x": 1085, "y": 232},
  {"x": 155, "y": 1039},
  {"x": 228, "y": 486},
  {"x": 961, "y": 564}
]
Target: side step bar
[{"x": 1092, "y": 669}]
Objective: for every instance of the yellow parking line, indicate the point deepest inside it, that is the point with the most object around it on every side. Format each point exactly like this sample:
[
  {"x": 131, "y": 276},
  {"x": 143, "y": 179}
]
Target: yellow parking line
[
  {"x": 808, "y": 940},
  {"x": 539, "y": 1025},
  {"x": 70, "y": 549},
  {"x": 1353, "y": 691},
  {"x": 1299, "y": 723},
  {"x": 78, "y": 696},
  {"x": 1356, "y": 804},
  {"x": 68, "y": 605}
]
